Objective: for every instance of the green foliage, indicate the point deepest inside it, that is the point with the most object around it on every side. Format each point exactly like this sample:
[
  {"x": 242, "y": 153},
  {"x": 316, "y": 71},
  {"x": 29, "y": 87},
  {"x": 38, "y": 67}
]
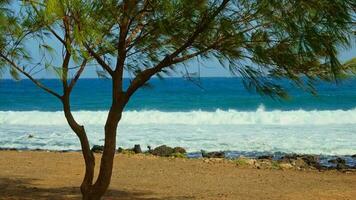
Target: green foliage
[
  {"x": 243, "y": 162},
  {"x": 179, "y": 155},
  {"x": 350, "y": 66},
  {"x": 260, "y": 40}
]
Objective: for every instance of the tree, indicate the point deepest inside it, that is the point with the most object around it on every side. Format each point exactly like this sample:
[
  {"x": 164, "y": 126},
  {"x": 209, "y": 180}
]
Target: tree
[{"x": 259, "y": 40}]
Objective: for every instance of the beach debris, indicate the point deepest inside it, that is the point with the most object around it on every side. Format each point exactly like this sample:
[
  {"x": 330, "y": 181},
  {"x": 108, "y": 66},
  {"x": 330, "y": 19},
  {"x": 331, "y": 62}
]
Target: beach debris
[
  {"x": 97, "y": 148},
  {"x": 137, "y": 148},
  {"x": 163, "y": 151}
]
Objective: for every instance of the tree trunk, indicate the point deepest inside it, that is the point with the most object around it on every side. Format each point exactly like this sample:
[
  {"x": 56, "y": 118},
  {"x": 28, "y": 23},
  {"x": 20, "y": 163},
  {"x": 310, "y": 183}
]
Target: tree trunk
[
  {"x": 89, "y": 190},
  {"x": 89, "y": 159},
  {"x": 106, "y": 164}
]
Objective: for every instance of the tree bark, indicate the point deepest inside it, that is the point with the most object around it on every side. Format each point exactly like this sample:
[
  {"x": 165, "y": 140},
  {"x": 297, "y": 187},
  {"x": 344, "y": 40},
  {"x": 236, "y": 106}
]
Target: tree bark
[
  {"x": 89, "y": 159},
  {"x": 106, "y": 165}
]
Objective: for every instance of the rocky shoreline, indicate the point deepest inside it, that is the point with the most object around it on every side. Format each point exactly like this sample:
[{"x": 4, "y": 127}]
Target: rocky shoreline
[{"x": 278, "y": 161}]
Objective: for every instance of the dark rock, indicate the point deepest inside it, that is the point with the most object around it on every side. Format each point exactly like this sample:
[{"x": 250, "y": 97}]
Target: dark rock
[
  {"x": 302, "y": 161},
  {"x": 8, "y": 149},
  {"x": 163, "y": 151},
  {"x": 137, "y": 148},
  {"x": 289, "y": 157},
  {"x": 30, "y": 136},
  {"x": 341, "y": 166},
  {"x": 337, "y": 161},
  {"x": 311, "y": 160},
  {"x": 353, "y": 156},
  {"x": 265, "y": 157},
  {"x": 214, "y": 154},
  {"x": 179, "y": 150},
  {"x": 120, "y": 150},
  {"x": 149, "y": 149},
  {"x": 97, "y": 149},
  {"x": 340, "y": 163}
]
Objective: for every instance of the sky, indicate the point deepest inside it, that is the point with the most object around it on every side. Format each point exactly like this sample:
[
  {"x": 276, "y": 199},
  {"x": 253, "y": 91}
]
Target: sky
[{"x": 205, "y": 69}]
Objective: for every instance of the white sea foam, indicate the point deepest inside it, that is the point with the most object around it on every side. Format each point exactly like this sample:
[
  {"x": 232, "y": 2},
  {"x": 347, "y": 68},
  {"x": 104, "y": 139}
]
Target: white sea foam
[
  {"x": 330, "y": 132},
  {"x": 218, "y": 117}
]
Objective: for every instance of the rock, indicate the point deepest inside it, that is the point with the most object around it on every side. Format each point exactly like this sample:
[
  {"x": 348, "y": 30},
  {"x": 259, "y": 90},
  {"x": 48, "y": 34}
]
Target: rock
[
  {"x": 149, "y": 149},
  {"x": 120, "y": 150},
  {"x": 311, "y": 160},
  {"x": 340, "y": 163},
  {"x": 97, "y": 148},
  {"x": 30, "y": 136},
  {"x": 299, "y": 163},
  {"x": 137, "y": 148},
  {"x": 302, "y": 161},
  {"x": 214, "y": 154},
  {"x": 163, "y": 151},
  {"x": 289, "y": 157},
  {"x": 337, "y": 161},
  {"x": 353, "y": 156},
  {"x": 267, "y": 157},
  {"x": 180, "y": 150}
]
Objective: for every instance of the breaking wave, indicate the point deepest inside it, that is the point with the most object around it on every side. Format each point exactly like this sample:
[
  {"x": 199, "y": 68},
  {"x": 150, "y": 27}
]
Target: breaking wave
[{"x": 218, "y": 117}]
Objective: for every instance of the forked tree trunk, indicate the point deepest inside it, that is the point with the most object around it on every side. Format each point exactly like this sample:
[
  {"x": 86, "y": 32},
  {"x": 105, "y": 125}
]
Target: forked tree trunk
[
  {"x": 107, "y": 159},
  {"x": 89, "y": 190}
]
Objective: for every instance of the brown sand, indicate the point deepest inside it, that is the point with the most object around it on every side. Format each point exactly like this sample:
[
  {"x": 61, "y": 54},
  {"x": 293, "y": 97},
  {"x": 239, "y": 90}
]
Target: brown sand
[{"x": 51, "y": 175}]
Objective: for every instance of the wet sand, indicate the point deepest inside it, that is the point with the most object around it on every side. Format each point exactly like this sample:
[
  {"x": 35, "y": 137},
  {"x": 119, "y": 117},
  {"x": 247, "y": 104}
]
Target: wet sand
[{"x": 55, "y": 175}]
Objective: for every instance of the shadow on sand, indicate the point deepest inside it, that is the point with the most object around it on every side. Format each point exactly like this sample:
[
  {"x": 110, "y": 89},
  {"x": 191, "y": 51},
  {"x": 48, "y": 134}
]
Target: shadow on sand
[{"x": 22, "y": 188}]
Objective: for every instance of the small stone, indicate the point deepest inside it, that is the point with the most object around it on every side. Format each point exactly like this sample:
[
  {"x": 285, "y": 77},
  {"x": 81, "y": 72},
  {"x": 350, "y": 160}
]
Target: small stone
[
  {"x": 137, "y": 148},
  {"x": 97, "y": 148}
]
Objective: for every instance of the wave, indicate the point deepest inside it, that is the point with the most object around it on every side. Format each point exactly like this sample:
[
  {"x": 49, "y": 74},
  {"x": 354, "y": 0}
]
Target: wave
[{"x": 218, "y": 117}]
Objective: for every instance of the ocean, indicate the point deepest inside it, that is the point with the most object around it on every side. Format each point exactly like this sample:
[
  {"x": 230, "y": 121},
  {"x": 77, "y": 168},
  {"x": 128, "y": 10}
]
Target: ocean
[{"x": 216, "y": 114}]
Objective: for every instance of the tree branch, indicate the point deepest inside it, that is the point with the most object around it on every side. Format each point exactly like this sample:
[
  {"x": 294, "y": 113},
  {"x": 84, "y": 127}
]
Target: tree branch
[
  {"x": 145, "y": 75},
  {"x": 101, "y": 62},
  {"x": 77, "y": 75},
  {"x": 49, "y": 28},
  {"x": 36, "y": 82}
]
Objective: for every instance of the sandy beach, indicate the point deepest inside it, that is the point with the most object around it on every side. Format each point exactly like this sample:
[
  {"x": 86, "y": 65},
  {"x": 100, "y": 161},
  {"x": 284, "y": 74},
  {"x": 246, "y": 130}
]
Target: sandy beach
[{"x": 55, "y": 175}]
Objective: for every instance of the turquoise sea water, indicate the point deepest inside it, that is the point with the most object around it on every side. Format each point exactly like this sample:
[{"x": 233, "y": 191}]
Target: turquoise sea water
[{"x": 218, "y": 115}]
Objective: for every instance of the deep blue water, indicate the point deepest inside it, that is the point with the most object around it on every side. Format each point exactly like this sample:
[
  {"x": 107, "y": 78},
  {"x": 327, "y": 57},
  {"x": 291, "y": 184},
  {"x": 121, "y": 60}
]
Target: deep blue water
[{"x": 176, "y": 94}]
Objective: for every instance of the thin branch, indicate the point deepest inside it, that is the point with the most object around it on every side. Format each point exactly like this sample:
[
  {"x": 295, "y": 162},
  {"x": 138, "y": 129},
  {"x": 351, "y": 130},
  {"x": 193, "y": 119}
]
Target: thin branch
[
  {"x": 77, "y": 75},
  {"x": 36, "y": 82},
  {"x": 101, "y": 62},
  {"x": 49, "y": 28},
  {"x": 168, "y": 60}
]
